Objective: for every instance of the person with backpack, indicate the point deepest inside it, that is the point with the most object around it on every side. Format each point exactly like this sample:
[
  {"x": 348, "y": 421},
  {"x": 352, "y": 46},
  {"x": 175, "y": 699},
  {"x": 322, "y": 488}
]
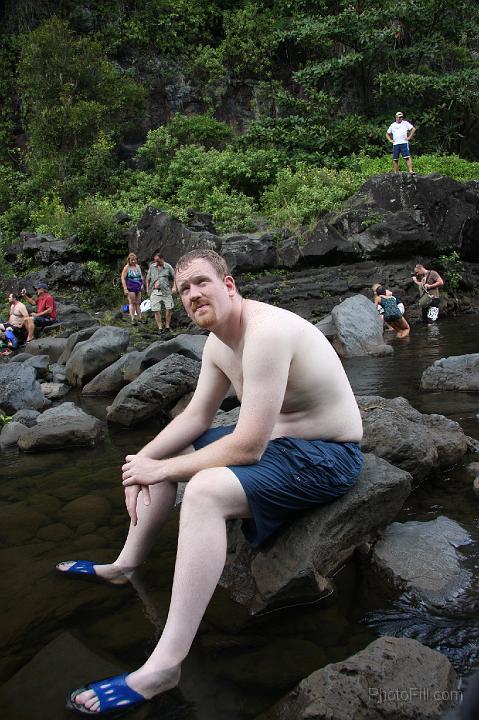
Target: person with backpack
[{"x": 428, "y": 283}]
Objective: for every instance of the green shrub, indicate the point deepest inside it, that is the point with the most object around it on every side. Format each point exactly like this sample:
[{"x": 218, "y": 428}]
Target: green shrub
[
  {"x": 98, "y": 233},
  {"x": 303, "y": 195},
  {"x": 200, "y": 130}
]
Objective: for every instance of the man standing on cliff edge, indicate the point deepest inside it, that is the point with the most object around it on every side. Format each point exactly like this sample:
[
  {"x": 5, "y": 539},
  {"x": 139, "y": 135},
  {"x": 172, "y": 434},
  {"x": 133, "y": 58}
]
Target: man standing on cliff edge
[{"x": 399, "y": 133}]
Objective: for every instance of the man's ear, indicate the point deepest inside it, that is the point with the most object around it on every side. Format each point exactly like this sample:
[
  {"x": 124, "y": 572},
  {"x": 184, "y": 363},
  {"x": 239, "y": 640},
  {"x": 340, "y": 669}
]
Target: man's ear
[{"x": 230, "y": 284}]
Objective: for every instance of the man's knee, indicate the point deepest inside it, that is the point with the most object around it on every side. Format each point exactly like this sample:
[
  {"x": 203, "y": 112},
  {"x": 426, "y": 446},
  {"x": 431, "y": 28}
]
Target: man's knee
[{"x": 200, "y": 488}]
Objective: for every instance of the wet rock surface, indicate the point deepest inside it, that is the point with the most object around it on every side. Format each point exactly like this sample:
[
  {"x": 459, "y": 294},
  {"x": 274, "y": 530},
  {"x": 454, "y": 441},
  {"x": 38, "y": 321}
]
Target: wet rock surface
[{"x": 382, "y": 682}]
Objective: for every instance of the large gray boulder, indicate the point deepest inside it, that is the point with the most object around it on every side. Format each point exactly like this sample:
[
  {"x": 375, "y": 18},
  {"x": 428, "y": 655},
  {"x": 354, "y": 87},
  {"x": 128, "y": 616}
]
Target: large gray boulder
[
  {"x": 40, "y": 363},
  {"x": 114, "y": 377},
  {"x": 43, "y": 248},
  {"x": 19, "y": 388},
  {"x": 299, "y": 562},
  {"x": 458, "y": 372},
  {"x": 359, "y": 330},
  {"x": 155, "y": 391},
  {"x": 391, "y": 679},
  {"x": 422, "y": 557},
  {"x": 413, "y": 441},
  {"x": 64, "y": 426},
  {"x": 91, "y": 356},
  {"x": 74, "y": 339}
]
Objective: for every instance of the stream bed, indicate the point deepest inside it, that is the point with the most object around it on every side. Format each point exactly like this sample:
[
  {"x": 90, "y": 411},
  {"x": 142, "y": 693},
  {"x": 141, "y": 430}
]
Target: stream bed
[{"x": 238, "y": 666}]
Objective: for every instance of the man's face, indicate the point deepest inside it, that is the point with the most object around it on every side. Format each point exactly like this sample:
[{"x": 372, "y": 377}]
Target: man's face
[
  {"x": 11, "y": 299},
  {"x": 40, "y": 291},
  {"x": 205, "y": 296},
  {"x": 398, "y": 118},
  {"x": 419, "y": 271},
  {"x": 159, "y": 260}
]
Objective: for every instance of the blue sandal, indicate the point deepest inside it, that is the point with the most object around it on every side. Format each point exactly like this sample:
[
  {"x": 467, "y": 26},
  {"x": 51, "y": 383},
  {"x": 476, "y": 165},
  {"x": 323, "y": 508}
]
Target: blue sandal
[
  {"x": 86, "y": 571},
  {"x": 115, "y": 696}
]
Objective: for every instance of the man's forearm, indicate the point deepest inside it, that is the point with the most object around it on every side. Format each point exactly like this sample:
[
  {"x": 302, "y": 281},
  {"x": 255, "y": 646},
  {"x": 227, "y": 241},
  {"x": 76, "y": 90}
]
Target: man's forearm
[
  {"x": 222, "y": 452},
  {"x": 175, "y": 437}
]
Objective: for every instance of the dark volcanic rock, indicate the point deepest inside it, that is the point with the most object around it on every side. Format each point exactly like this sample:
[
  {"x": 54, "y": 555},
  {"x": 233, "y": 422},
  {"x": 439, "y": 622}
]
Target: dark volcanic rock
[
  {"x": 159, "y": 231},
  {"x": 60, "y": 427},
  {"x": 91, "y": 356},
  {"x": 399, "y": 216},
  {"x": 416, "y": 442}
]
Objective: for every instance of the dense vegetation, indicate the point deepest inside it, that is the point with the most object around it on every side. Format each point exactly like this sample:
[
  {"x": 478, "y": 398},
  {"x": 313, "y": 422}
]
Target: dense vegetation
[{"x": 247, "y": 110}]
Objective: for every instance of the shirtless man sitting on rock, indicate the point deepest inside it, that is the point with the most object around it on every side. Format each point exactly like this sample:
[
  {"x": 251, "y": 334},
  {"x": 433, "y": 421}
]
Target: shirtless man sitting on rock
[{"x": 295, "y": 446}]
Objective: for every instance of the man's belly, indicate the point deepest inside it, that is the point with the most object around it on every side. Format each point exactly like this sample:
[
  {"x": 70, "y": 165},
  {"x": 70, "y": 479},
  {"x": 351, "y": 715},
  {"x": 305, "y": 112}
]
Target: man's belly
[{"x": 313, "y": 427}]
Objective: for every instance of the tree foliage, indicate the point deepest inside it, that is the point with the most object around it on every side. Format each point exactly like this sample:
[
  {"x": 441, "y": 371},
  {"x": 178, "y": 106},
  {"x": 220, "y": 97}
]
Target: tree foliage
[{"x": 308, "y": 88}]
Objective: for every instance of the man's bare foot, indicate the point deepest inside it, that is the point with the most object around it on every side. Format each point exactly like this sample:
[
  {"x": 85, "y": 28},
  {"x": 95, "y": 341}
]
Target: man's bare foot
[
  {"x": 110, "y": 573},
  {"x": 142, "y": 681}
]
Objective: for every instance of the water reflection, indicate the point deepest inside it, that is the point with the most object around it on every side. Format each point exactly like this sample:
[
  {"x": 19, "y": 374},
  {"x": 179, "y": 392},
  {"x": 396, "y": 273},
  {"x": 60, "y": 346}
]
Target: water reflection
[{"x": 69, "y": 504}]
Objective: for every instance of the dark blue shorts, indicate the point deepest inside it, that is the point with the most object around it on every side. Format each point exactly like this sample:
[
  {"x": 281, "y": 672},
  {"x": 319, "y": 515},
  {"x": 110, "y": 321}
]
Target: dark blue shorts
[
  {"x": 292, "y": 475},
  {"x": 402, "y": 148}
]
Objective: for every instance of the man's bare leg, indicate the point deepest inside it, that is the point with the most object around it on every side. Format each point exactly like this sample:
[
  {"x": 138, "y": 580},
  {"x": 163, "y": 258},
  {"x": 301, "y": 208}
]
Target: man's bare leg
[
  {"x": 141, "y": 536},
  {"x": 211, "y": 497},
  {"x": 395, "y": 166},
  {"x": 159, "y": 324},
  {"x": 409, "y": 164},
  {"x": 168, "y": 314}
]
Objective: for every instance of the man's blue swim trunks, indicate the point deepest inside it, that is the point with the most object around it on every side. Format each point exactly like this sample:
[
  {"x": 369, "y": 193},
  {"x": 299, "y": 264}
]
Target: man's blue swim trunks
[{"x": 293, "y": 474}]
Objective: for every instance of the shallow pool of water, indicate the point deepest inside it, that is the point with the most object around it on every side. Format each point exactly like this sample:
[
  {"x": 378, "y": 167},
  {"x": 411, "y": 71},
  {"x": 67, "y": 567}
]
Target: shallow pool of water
[{"x": 238, "y": 666}]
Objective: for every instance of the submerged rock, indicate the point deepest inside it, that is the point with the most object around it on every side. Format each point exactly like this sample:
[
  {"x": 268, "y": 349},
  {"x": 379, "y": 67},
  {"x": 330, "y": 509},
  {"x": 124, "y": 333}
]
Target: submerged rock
[
  {"x": 64, "y": 426},
  {"x": 421, "y": 557},
  {"x": 458, "y": 372}
]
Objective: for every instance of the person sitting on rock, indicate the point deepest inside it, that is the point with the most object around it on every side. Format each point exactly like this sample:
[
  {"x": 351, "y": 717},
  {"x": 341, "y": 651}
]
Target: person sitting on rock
[
  {"x": 46, "y": 312},
  {"x": 392, "y": 314},
  {"x": 14, "y": 332},
  {"x": 295, "y": 446}
]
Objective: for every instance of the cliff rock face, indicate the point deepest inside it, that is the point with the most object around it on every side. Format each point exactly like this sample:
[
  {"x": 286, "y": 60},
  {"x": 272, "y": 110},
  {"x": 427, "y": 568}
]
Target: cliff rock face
[{"x": 399, "y": 216}]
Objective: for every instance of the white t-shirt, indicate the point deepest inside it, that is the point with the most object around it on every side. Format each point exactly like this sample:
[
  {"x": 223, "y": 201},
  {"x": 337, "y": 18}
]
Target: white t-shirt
[{"x": 399, "y": 131}]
